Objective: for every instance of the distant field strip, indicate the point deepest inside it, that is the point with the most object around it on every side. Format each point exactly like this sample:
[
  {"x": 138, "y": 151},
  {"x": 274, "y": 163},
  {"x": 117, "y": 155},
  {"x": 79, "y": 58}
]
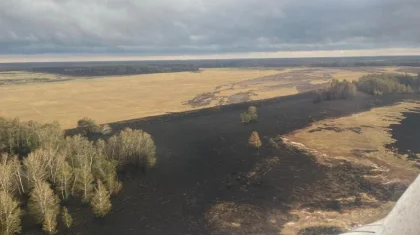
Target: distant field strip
[{"x": 116, "y": 98}]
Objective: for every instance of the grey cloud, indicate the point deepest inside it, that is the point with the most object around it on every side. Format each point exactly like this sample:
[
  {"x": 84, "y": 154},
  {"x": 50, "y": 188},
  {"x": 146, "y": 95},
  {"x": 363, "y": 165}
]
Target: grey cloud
[{"x": 172, "y": 27}]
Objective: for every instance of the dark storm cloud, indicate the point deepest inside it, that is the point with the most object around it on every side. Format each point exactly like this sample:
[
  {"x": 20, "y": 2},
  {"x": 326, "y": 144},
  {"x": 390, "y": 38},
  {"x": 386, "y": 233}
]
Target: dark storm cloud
[{"x": 171, "y": 27}]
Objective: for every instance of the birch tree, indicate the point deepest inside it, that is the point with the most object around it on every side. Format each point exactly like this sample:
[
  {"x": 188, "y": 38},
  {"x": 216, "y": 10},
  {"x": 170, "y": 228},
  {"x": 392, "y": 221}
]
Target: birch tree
[
  {"x": 10, "y": 214},
  {"x": 44, "y": 206},
  {"x": 101, "y": 203}
]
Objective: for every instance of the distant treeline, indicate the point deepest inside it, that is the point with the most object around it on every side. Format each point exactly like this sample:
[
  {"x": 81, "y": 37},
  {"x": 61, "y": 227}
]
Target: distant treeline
[
  {"x": 113, "y": 70},
  {"x": 147, "y": 67}
]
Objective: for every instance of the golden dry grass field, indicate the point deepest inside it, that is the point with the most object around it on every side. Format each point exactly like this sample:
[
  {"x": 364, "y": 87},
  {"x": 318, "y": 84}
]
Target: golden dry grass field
[{"x": 117, "y": 98}]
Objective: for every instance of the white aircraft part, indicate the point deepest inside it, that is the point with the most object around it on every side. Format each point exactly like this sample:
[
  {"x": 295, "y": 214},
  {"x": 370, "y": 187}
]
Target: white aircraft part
[{"x": 404, "y": 219}]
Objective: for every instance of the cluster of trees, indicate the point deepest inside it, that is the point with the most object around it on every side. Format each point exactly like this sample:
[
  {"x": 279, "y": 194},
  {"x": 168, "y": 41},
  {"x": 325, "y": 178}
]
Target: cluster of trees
[
  {"x": 336, "y": 90},
  {"x": 379, "y": 84},
  {"x": 250, "y": 116},
  {"x": 374, "y": 84},
  {"x": 130, "y": 147},
  {"x": 43, "y": 168}
]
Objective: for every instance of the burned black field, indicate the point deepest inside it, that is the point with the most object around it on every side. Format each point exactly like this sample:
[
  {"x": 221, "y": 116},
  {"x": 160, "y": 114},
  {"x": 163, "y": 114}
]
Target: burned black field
[{"x": 206, "y": 173}]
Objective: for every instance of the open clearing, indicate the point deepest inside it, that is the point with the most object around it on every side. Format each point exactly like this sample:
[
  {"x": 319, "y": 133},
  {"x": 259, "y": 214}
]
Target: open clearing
[{"x": 116, "y": 98}]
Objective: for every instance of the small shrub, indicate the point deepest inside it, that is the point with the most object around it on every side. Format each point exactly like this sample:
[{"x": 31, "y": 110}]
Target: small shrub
[
  {"x": 250, "y": 115},
  {"x": 254, "y": 140},
  {"x": 245, "y": 117}
]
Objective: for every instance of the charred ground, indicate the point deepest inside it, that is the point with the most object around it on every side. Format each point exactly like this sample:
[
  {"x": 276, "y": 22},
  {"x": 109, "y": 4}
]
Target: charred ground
[{"x": 206, "y": 173}]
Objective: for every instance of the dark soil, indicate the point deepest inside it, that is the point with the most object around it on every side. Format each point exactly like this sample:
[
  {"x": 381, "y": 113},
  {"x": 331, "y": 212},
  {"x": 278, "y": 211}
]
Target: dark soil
[
  {"x": 321, "y": 231},
  {"x": 204, "y": 158}
]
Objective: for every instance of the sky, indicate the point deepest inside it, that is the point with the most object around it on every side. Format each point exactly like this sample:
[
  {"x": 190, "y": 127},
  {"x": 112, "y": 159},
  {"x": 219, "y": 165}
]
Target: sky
[{"x": 127, "y": 29}]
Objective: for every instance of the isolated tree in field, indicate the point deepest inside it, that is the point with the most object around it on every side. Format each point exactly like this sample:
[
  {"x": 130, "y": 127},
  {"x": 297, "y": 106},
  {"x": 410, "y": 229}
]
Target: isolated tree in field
[
  {"x": 44, "y": 206},
  {"x": 254, "y": 140},
  {"x": 9, "y": 214},
  {"x": 250, "y": 115},
  {"x": 66, "y": 217},
  {"x": 101, "y": 203},
  {"x": 88, "y": 126}
]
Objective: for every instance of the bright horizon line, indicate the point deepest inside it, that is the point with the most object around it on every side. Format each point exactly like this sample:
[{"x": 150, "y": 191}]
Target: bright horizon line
[{"x": 15, "y": 58}]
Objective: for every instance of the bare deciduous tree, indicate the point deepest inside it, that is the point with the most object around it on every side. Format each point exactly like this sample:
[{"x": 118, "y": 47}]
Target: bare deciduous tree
[
  {"x": 64, "y": 178},
  {"x": 36, "y": 167},
  {"x": 9, "y": 214},
  {"x": 8, "y": 180},
  {"x": 83, "y": 182},
  {"x": 101, "y": 203},
  {"x": 44, "y": 206}
]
